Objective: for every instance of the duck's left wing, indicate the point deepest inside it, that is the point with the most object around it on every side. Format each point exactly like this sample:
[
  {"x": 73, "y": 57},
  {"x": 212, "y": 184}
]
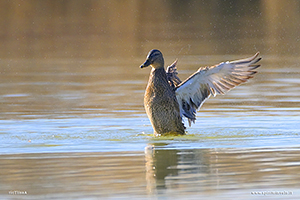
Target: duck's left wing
[{"x": 214, "y": 80}]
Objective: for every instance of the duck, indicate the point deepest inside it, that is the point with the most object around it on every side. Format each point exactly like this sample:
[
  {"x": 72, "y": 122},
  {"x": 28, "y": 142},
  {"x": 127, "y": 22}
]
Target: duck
[{"x": 167, "y": 99}]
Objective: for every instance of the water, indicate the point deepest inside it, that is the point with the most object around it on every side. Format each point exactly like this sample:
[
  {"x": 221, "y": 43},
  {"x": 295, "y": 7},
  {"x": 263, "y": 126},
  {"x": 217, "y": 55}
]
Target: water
[
  {"x": 72, "y": 122},
  {"x": 157, "y": 173}
]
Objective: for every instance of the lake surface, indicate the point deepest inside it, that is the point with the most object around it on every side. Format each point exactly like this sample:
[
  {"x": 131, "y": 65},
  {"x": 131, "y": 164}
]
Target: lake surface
[{"x": 72, "y": 122}]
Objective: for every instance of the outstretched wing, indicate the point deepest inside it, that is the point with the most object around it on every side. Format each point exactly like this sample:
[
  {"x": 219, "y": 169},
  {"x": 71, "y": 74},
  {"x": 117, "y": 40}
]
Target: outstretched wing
[{"x": 214, "y": 80}]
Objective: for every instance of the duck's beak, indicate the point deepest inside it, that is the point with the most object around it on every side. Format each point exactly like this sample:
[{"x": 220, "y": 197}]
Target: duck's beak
[{"x": 146, "y": 64}]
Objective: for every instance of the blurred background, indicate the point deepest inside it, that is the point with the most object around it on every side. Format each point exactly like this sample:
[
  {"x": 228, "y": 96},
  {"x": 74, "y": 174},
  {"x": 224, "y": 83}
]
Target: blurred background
[
  {"x": 81, "y": 56},
  {"x": 113, "y": 29}
]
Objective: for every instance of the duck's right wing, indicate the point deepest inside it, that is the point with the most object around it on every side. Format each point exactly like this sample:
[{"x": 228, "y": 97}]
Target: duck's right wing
[
  {"x": 171, "y": 72},
  {"x": 214, "y": 80}
]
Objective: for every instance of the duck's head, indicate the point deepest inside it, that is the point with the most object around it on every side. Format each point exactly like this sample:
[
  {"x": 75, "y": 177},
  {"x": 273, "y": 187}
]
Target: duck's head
[{"x": 154, "y": 59}]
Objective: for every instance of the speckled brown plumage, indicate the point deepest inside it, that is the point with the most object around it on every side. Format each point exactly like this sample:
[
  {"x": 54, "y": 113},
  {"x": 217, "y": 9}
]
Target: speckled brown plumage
[{"x": 161, "y": 104}]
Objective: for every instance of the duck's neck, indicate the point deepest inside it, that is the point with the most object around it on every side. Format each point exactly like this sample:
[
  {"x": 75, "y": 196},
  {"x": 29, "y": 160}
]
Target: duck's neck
[
  {"x": 157, "y": 85},
  {"x": 160, "y": 74}
]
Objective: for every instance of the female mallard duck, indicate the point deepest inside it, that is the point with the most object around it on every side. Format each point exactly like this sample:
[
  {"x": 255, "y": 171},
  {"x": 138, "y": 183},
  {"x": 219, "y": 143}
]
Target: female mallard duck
[{"x": 167, "y": 99}]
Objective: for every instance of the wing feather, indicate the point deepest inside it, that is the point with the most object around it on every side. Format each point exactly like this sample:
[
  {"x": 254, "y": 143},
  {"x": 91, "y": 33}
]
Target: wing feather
[
  {"x": 217, "y": 79},
  {"x": 171, "y": 72}
]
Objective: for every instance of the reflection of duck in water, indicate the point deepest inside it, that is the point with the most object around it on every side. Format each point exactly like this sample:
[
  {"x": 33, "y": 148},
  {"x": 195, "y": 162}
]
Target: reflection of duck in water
[
  {"x": 171, "y": 169},
  {"x": 167, "y": 98}
]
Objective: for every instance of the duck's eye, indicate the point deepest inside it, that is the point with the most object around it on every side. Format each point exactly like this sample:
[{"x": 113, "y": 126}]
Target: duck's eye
[{"x": 154, "y": 59}]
